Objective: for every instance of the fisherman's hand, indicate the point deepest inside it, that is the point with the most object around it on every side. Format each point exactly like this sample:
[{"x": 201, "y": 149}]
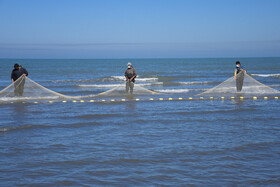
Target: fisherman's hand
[{"x": 234, "y": 77}]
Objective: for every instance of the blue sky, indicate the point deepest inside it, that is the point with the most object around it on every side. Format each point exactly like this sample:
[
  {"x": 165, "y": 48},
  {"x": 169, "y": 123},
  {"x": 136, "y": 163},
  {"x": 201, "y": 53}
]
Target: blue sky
[{"x": 139, "y": 28}]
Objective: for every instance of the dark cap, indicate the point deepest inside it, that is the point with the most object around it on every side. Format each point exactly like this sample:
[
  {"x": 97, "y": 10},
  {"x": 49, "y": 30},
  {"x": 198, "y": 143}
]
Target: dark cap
[
  {"x": 16, "y": 66},
  {"x": 237, "y": 62}
]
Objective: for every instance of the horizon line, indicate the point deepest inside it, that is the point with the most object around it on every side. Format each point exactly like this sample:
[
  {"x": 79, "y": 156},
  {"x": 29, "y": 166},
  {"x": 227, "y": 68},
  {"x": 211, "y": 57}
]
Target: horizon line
[
  {"x": 126, "y": 58},
  {"x": 132, "y": 43}
]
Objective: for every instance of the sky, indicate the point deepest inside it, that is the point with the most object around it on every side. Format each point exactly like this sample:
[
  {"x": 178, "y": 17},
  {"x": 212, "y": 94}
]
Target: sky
[{"x": 139, "y": 28}]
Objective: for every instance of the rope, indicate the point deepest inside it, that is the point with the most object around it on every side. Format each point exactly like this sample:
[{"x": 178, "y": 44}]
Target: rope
[
  {"x": 61, "y": 95},
  {"x": 20, "y": 79},
  {"x": 210, "y": 90},
  {"x": 232, "y": 81},
  {"x": 262, "y": 84}
]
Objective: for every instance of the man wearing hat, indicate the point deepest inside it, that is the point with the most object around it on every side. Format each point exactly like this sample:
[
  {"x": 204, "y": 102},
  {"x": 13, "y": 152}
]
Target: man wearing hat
[
  {"x": 130, "y": 75},
  {"x": 17, "y": 72},
  {"x": 239, "y": 76}
]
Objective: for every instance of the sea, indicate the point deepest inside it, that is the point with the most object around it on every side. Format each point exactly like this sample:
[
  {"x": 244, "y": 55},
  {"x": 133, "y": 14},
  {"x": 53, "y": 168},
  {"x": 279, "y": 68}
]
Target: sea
[{"x": 189, "y": 142}]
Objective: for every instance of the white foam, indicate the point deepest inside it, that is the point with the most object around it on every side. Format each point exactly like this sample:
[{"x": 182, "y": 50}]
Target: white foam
[
  {"x": 191, "y": 83},
  {"x": 70, "y": 81},
  {"x": 10, "y": 99},
  {"x": 139, "y": 79},
  {"x": 266, "y": 75},
  {"x": 156, "y": 83},
  {"x": 100, "y": 85},
  {"x": 4, "y": 129},
  {"x": 122, "y": 78},
  {"x": 274, "y": 85},
  {"x": 115, "y": 85},
  {"x": 173, "y": 90},
  {"x": 107, "y": 79},
  {"x": 198, "y": 89},
  {"x": 147, "y": 79}
]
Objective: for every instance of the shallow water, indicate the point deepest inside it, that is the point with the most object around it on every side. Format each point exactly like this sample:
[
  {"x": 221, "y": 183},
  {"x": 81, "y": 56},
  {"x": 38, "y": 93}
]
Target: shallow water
[{"x": 204, "y": 142}]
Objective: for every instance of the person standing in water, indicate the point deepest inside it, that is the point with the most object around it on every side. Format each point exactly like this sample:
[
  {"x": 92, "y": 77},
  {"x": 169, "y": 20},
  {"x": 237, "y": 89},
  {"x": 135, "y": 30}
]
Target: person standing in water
[
  {"x": 239, "y": 76},
  {"x": 17, "y": 72},
  {"x": 130, "y": 75}
]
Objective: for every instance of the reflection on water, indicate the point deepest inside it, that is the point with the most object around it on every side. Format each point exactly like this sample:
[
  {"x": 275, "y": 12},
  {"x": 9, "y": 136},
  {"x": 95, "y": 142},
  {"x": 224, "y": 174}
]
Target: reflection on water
[
  {"x": 129, "y": 96},
  {"x": 19, "y": 111},
  {"x": 238, "y": 103},
  {"x": 130, "y": 105}
]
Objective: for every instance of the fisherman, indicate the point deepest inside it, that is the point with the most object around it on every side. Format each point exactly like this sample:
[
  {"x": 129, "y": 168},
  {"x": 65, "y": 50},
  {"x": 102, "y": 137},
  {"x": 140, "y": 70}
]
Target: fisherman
[
  {"x": 239, "y": 76},
  {"x": 130, "y": 75},
  {"x": 17, "y": 72}
]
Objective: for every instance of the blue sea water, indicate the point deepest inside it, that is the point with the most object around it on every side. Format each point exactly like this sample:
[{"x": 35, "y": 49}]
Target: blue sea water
[{"x": 135, "y": 143}]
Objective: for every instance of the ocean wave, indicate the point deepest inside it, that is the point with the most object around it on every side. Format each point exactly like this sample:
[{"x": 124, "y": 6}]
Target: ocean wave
[
  {"x": 6, "y": 129},
  {"x": 274, "y": 85},
  {"x": 266, "y": 75},
  {"x": 115, "y": 85},
  {"x": 73, "y": 81},
  {"x": 199, "y": 89},
  {"x": 192, "y": 83},
  {"x": 139, "y": 79},
  {"x": 173, "y": 90},
  {"x": 106, "y": 79},
  {"x": 12, "y": 99}
]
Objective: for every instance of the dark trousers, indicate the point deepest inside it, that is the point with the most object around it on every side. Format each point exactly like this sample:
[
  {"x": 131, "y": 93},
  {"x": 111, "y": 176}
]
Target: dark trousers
[
  {"x": 239, "y": 81},
  {"x": 129, "y": 86}
]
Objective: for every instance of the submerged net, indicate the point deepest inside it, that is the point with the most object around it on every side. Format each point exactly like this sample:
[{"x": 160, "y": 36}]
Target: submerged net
[
  {"x": 24, "y": 88},
  {"x": 126, "y": 89},
  {"x": 243, "y": 84}
]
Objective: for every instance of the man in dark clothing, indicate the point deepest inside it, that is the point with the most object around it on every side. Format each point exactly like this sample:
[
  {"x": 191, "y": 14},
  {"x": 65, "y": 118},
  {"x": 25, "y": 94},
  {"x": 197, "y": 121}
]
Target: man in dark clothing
[
  {"x": 17, "y": 72},
  {"x": 239, "y": 76},
  {"x": 130, "y": 75}
]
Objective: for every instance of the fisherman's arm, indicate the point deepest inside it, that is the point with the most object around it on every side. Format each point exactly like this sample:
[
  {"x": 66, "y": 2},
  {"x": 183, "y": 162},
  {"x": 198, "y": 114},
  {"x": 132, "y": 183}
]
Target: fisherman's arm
[
  {"x": 132, "y": 78},
  {"x": 12, "y": 77},
  {"x": 25, "y": 72},
  {"x": 125, "y": 74},
  {"x": 235, "y": 73}
]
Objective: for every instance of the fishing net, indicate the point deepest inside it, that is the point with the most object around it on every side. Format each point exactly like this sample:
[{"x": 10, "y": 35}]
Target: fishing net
[
  {"x": 127, "y": 88},
  {"x": 243, "y": 84},
  {"x": 24, "y": 88}
]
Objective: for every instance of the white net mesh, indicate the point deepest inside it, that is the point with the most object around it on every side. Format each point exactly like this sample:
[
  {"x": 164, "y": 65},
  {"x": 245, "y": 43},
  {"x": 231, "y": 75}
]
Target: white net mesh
[
  {"x": 127, "y": 88},
  {"x": 24, "y": 88},
  {"x": 243, "y": 84}
]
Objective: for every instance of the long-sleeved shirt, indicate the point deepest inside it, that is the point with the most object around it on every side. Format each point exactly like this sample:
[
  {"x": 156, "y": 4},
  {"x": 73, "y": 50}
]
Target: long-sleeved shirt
[{"x": 17, "y": 73}]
